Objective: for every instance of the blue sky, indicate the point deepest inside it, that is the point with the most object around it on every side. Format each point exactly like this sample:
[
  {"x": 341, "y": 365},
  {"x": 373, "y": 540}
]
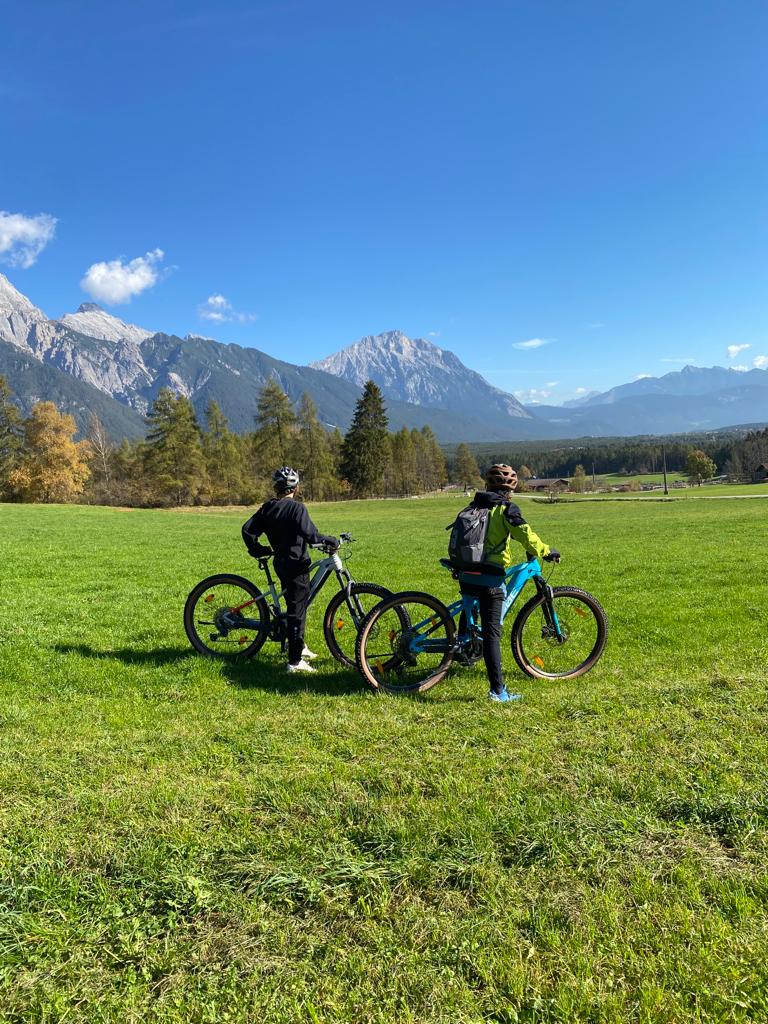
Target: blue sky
[{"x": 592, "y": 176}]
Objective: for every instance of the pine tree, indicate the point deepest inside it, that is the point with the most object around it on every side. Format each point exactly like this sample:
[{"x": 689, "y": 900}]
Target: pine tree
[
  {"x": 336, "y": 451},
  {"x": 53, "y": 467},
  {"x": 365, "y": 452},
  {"x": 314, "y": 453},
  {"x": 404, "y": 474},
  {"x": 466, "y": 472},
  {"x": 224, "y": 460},
  {"x": 275, "y": 437},
  {"x": 439, "y": 472},
  {"x": 10, "y": 437},
  {"x": 174, "y": 458}
]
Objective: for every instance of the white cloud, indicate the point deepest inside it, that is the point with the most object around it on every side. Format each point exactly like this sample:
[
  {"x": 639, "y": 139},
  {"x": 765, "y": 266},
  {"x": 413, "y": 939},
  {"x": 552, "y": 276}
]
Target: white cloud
[
  {"x": 760, "y": 362},
  {"x": 551, "y": 383},
  {"x": 22, "y": 239},
  {"x": 220, "y": 310},
  {"x": 433, "y": 334},
  {"x": 733, "y": 350},
  {"x": 642, "y": 376},
  {"x": 117, "y": 282},
  {"x": 741, "y": 368},
  {"x": 581, "y": 391},
  {"x": 532, "y": 396},
  {"x": 532, "y": 343}
]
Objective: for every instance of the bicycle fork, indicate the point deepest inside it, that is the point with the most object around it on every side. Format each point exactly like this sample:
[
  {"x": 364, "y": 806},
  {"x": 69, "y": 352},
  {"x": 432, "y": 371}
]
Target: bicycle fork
[{"x": 551, "y": 626}]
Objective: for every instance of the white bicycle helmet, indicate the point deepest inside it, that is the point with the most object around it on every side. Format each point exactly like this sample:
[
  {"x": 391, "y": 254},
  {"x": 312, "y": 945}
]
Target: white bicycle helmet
[{"x": 285, "y": 479}]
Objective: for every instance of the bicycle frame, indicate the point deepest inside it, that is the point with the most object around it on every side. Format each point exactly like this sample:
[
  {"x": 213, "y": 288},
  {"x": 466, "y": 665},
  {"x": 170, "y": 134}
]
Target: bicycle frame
[
  {"x": 320, "y": 571},
  {"x": 513, "y": 582}
]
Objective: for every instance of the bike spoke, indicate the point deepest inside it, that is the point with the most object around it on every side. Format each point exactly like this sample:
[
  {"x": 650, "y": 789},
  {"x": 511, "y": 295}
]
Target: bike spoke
[
  {"x": 564, "y": 644},
  {"x": 407, "y": 645},
  {"x": 226, "y": 628}
]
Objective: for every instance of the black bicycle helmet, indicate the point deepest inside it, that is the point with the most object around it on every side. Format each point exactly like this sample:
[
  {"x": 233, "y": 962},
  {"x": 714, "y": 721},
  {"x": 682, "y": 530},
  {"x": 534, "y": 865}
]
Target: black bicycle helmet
[
  {"x": 501, "y": 477},
  {"x": 285, "y": 479}
]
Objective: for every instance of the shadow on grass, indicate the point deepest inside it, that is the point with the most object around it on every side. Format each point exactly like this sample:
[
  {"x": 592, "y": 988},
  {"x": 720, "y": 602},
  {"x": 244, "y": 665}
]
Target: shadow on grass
[{"x": 250, "y": 674}]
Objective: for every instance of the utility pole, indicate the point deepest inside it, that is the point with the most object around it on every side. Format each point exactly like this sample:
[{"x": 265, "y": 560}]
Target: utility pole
[
  {"x": 664, "y": 464},
  {"x": 594, "y": 488}
]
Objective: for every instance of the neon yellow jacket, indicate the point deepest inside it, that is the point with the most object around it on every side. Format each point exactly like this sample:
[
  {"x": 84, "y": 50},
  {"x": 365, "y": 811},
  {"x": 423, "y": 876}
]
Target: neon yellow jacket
[{"x": 506, "y": 524}]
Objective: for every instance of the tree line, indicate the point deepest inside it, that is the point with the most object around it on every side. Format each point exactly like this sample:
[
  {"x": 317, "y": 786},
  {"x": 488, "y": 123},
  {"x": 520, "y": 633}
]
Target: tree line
[
  {"x": 184, "y": 462},
  {"x": 733, "y": 455}
]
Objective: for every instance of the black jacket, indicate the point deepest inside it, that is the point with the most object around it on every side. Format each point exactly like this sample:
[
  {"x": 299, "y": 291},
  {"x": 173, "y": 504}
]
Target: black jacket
[{"x": 289, "y": 529}]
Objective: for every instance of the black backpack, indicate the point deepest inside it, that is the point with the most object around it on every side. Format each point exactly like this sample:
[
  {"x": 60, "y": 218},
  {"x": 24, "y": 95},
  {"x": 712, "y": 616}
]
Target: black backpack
[
  {"x": 466, "y": 546},
  {"x": 467, "y": 541}
]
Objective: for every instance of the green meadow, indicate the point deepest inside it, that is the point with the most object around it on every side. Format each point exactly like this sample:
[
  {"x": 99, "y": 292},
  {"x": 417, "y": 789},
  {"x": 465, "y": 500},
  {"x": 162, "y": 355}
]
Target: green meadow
[{"x": 189, "y": 841}]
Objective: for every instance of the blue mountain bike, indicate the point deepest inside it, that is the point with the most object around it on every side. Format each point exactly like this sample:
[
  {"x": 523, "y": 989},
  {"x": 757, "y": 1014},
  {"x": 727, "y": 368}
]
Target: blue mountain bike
[{"x": 409, "y": 641}]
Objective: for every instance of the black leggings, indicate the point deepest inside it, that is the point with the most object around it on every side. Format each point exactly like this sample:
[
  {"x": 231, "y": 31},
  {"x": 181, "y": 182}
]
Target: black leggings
[
  {"x": 491, "y": 600},
  {"x": 296, "y": 601}
]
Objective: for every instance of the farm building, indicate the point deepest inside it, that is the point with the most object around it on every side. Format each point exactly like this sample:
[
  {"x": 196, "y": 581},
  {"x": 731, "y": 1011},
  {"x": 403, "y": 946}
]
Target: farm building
[{"x": 548, "y": 484}]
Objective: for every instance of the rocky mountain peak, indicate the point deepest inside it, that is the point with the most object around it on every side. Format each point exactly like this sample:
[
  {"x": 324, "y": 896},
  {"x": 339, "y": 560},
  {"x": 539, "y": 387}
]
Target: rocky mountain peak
[
  {"x": 96, "y": 322},
  {"x": 17, "y": 314},
  {"x": 418, "y": 371}
]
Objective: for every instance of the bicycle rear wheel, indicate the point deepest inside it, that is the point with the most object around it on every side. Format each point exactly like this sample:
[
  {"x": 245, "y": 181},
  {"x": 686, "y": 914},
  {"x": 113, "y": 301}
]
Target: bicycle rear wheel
[
  {"x": 405, "y": 645},
  {"x": 226, "y": 616},
  {"x": 583, "y": 625},
  {"x": 344, "y": 616}
]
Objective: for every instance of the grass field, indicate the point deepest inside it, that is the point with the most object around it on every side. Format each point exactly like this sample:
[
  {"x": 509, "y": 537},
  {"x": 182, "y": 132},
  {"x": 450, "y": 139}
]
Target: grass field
[{"x": 185, "y": 841}]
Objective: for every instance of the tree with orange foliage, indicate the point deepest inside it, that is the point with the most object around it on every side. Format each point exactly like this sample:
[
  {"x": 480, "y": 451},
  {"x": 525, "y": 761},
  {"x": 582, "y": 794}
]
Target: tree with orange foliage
[{"x": 54, "y": 467}]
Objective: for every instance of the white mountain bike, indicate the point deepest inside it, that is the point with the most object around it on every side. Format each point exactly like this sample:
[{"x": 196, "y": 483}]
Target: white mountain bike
[{"x": 227, "y": 616}]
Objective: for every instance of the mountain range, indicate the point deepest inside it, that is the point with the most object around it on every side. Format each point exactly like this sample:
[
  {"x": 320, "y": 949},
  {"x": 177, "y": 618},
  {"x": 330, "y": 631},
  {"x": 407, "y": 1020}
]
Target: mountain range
[{"x": 91, "y": 360}]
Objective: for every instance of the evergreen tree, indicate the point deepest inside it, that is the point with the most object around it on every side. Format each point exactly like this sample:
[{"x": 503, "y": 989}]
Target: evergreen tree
[
  {"x": 53, "y": 467},
  {"x": 423, "y": 460},
  {"x": 404, "y": 473},
  {"x": 365, "y": 452},
  {"x": 437, "y": 458},
  {"x": 224, "y": 459},
  {"x": 336, "y": 451},
  {"x": 314, "y": 453},
  {"x": 466, "y": 472},
  {"x": 10, "y": 437},
  {"x": 274, "y": 440},
  {"x": 174, "y": 459}
]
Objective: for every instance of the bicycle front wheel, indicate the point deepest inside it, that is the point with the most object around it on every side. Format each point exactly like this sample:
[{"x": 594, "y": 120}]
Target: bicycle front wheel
[
  {"x": 226, "y": 616},
  {"x": 405, "y": 645},
  {"x": 566, "y": 650},
  {"x": 344, "y": 616}
]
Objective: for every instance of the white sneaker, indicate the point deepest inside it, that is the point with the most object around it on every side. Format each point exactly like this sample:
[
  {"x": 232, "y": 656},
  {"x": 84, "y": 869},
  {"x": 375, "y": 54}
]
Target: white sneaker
[
  {"x": 308, "y": 655},
  {"x": 301, "y": 666}
]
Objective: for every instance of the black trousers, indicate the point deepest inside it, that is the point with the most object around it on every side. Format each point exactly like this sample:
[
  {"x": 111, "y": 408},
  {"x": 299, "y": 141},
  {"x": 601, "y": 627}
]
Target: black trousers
[
  {"x": 297, "y": 601},
  {"x": 491, "y": 600}
]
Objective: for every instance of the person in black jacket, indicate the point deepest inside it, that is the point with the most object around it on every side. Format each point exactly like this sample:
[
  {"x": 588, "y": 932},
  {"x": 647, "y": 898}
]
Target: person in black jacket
[{"x": 289, "y": 529}]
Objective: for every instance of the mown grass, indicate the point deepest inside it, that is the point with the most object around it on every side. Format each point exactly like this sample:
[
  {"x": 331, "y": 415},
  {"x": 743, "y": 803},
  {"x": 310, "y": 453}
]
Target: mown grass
[{"x": 188, "y": 841}]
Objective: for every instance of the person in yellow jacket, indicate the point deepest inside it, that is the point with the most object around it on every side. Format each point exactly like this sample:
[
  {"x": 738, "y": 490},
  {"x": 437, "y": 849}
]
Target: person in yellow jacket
[{"x": 505, "y": 525}]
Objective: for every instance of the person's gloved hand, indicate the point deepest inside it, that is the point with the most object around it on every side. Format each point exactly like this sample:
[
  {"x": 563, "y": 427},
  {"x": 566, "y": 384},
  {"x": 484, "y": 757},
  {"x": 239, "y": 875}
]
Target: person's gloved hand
[
  {"x": 260, "y": 551},
  {"x": 553, "y": 556}
]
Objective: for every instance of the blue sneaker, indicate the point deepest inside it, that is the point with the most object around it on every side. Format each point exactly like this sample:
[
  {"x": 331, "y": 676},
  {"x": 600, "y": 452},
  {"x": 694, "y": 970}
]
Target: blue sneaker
[{"x": 504, "y": 696}]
